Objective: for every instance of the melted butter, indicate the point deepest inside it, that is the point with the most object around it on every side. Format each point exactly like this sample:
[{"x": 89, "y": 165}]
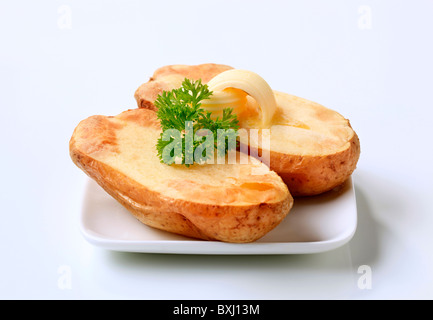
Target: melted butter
[{"x": 249, "y": 117}]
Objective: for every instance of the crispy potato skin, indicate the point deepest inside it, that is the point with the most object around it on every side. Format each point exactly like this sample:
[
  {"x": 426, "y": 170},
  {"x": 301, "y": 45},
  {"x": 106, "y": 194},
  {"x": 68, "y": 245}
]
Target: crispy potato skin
[
  {"x": 313, "y": 175},
  {"x": 147, "y": 93},
  {"x": 304, "y": 175},
  {"x": 207, "y": 221}
]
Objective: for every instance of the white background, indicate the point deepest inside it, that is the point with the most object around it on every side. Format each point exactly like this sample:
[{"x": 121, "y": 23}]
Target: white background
[{"x": 55, "y": 72}]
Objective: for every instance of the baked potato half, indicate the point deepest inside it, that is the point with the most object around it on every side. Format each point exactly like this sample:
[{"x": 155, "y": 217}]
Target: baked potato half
[{"x": 312, "y": 148}]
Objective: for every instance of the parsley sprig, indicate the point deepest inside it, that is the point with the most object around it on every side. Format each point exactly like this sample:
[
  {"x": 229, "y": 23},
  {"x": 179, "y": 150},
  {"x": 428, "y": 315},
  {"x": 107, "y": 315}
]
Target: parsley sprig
[{"x": 180, "y": 109}]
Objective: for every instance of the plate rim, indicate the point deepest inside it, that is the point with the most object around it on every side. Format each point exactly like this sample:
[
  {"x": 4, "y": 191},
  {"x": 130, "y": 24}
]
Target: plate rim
[
  {"x": 194, "y": 246},
  {"x": 215, "y": 247}
]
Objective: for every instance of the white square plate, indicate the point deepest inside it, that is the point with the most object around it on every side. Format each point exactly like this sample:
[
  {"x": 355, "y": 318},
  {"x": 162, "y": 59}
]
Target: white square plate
[{"x": 315, "y": 224}]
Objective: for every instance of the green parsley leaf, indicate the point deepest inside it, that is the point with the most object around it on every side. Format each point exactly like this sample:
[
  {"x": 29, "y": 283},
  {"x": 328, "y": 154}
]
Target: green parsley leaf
[{"x": 182, "y": 119}]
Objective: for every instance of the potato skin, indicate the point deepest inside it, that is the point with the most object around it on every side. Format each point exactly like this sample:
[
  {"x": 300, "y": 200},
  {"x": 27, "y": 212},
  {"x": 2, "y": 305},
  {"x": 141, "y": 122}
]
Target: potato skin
[
  {"x": 202, "y": 220},
  {"x": 236, "y": 224},
  {"x": 147, "y": 93},
  {"x": 312, "y": 175}
]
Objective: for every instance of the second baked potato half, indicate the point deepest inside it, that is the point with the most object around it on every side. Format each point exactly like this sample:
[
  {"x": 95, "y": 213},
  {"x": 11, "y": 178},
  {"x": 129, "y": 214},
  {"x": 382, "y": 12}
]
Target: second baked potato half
[{"x": 313, "y": 148}]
